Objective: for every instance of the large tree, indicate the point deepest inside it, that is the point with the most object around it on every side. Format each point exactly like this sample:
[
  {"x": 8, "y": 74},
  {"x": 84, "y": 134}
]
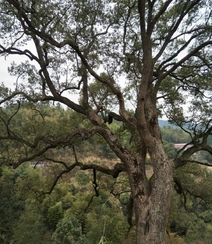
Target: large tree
[{"x": 155, "y": 55}]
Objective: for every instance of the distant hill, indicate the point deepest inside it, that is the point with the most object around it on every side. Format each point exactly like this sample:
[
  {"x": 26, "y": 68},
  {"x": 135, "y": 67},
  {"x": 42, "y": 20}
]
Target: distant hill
[
  {"x": 188, "y": 126},
  {"x": 163, "y": 123}
]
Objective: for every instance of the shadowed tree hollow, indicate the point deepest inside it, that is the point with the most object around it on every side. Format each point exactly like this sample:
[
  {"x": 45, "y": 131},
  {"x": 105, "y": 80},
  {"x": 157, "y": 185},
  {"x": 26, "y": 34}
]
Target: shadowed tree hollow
[{"x": 151, "y": 56}]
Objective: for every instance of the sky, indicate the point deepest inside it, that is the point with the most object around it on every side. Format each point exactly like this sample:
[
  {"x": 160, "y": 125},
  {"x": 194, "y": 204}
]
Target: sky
[
  {"x": 9, "y": 81},
  {"x": 5, "y": 78}
]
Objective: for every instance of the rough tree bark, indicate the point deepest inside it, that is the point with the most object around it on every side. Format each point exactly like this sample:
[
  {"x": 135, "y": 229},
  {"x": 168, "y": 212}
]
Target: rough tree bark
[
  {"x": 152, "y": 201},
  {"x": 151, "y": 196}
]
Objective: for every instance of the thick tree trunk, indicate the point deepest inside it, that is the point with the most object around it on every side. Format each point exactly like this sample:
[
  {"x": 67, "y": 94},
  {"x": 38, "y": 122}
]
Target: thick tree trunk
[
  {"x": 152, "y": 215},
  {"x": 152, "y": 198}
]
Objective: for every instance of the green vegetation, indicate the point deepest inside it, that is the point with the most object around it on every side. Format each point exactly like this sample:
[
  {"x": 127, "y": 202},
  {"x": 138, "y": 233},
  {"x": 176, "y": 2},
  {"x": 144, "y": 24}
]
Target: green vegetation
[
  {"x": 70, "y": 214},
  {"x": 88, "y": 208},
  {"x": 73, "y": 213},
  {"x": 174, "y": 135},
  {"x": 109, "y": 69}
]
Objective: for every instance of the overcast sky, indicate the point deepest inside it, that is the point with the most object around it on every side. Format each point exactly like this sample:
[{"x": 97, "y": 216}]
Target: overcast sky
[{"x": 5, "y": 78}]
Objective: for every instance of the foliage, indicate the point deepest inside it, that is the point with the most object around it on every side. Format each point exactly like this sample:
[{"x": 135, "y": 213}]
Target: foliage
[
  {"x": 11, "y": 205},
  {"x": 69, "y": 231},
  {"x": 170, "y": 149},
  {"x": 113, "y": 55},
  {"x": 190, "y": 215},
  {"x": 55, "y": 213},
  {"x": 63, "y": 212},
  {"x": 30, "y": 227},
  {"x": 174, "y": 135},
  {"x": 64, "y": 217},
  {"x": 82, "y": 178}
]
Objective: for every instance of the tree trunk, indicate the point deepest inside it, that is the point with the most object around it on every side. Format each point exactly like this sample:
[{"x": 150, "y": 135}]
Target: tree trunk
[{"x": 152, "y": 198}]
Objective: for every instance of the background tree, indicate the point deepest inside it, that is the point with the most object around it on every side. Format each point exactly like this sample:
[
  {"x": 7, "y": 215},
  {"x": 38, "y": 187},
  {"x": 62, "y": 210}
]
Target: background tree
[
  {"x": 11, "y": 206},
  {"x": 191, "y": 204},
  {"x": 64, "y": 215},
  {"x": 152, "y": 48}
]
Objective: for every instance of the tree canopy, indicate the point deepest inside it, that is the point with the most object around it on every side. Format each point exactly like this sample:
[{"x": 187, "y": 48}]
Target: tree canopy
[{"x": 152, "y": 55}]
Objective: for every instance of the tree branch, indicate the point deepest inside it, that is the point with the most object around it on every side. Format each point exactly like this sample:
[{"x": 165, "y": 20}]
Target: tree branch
[
  {"x": 185, "y": 58},
  {"x": 175, "y": 26},
  {"x": 117, "y": 169}
]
